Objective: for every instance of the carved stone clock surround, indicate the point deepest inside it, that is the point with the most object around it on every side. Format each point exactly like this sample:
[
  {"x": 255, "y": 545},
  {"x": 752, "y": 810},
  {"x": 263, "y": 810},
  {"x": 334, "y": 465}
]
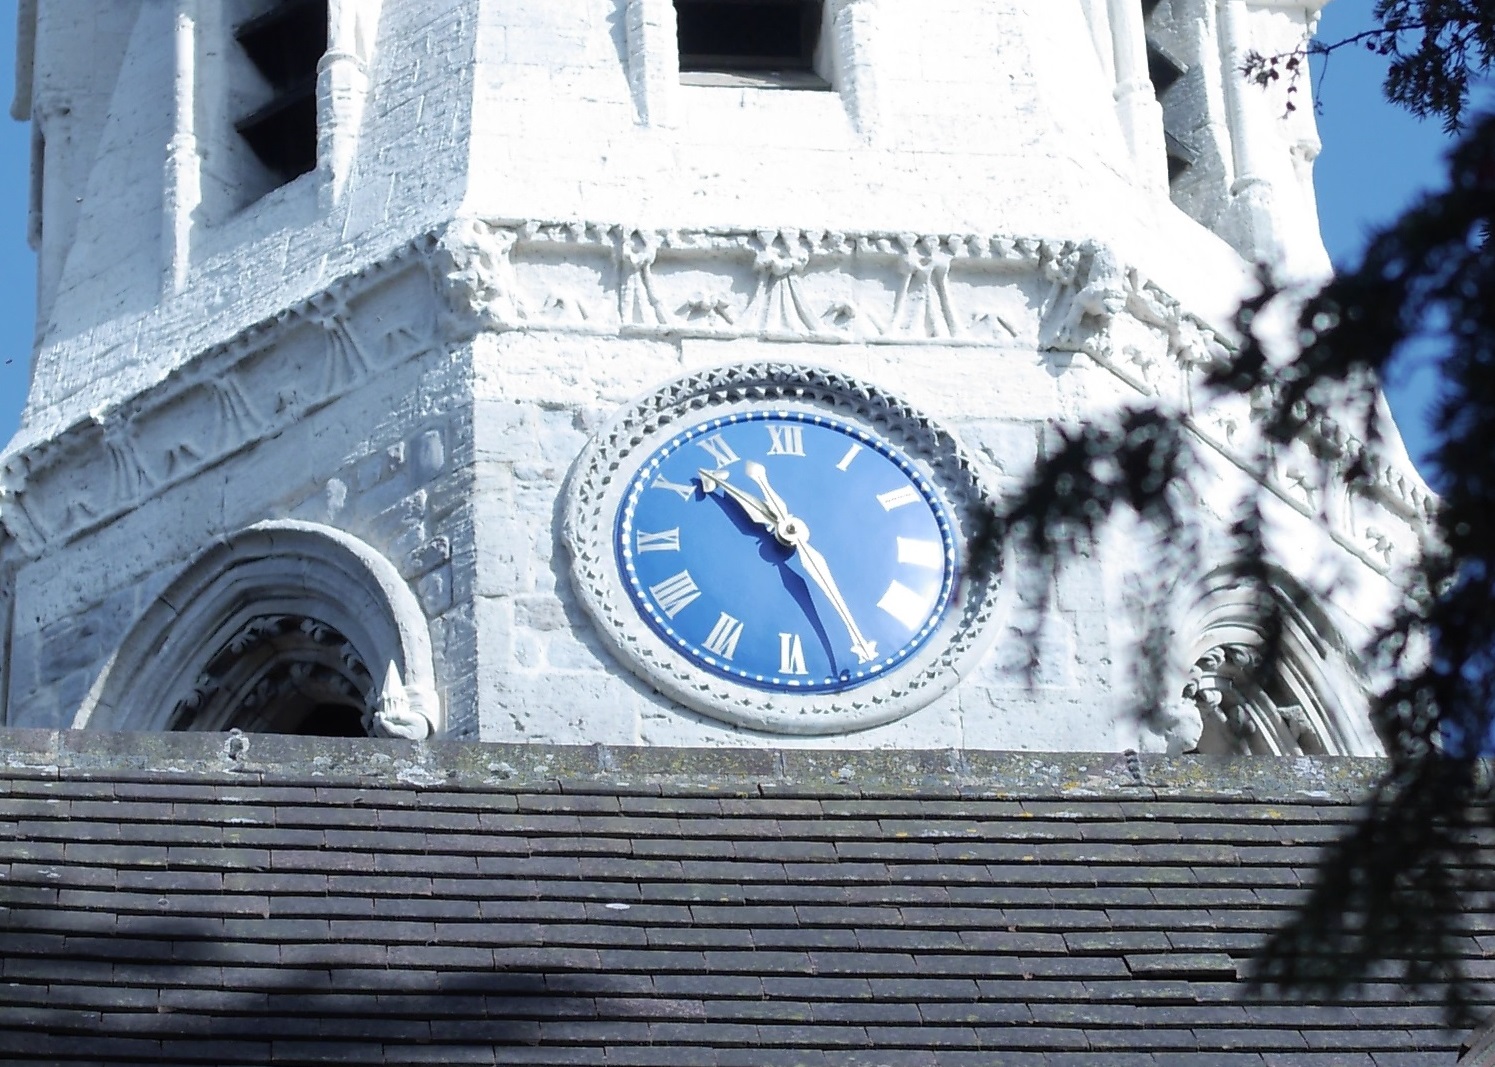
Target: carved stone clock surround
[{"x": 614, "y": 455}]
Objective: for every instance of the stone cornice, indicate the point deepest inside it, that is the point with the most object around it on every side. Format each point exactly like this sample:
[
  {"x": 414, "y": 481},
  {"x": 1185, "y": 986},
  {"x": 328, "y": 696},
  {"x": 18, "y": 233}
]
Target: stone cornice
[
  {"x": 277, "y": 759},
  {"x": 982, "y": 292}
]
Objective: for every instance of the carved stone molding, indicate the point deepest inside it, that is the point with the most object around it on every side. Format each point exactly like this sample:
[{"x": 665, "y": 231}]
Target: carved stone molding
[
  {"x": 278, "y": 672},
  {"x": 271, "y": 673},
  {"x": 783, "y": 284},
  {"x": 230, "y": 396},
  {"x": 263, "y": 627},
  {"x": 1252, "y": 712},
  {"x": 982, "y": 291}
]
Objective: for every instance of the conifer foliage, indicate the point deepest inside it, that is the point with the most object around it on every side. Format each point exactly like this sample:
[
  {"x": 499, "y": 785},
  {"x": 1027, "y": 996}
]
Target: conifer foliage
[{"x": 1395, "y": 894}]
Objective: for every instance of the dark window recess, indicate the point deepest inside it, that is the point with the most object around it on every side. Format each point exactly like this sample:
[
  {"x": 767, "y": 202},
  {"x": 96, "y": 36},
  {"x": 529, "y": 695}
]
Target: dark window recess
[
  {"x": 286, "y": 43},
  {"x": 1162, "y": 70},
  {"x": 331, "y": 720},
  {"x": 1166, "y": 73},
  {"x": 748, "y": 35}
]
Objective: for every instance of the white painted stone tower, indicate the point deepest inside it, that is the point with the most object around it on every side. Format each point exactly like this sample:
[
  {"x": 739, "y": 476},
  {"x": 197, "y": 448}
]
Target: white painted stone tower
[{"x": 358, "y": 316}]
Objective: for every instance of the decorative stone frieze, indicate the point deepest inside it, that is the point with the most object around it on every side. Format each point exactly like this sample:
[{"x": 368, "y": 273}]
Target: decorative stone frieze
[{"x": 991, "y": 292}]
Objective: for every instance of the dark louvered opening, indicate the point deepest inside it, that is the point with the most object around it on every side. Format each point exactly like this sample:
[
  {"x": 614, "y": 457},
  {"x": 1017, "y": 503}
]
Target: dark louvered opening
[
  {"x": 1180, "y": 156},
  {"x": 285, "y": 44},
  {"x": 1166, "y": 73},
  {"x": 748, "y": 35},
  {"x": 1162, "y": 69}
]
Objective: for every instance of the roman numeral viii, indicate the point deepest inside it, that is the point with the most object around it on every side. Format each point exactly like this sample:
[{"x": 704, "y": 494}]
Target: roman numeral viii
[
  {"x": 724, "y": 636},
  {"x": 675, "y": 594}
]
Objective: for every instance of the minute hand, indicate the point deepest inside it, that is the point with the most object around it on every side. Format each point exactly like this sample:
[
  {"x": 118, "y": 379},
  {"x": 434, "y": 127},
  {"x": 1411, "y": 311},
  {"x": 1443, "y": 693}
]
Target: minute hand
[
  {"x": 820, "y": 572},
  {"x": 796, "y": 535}
]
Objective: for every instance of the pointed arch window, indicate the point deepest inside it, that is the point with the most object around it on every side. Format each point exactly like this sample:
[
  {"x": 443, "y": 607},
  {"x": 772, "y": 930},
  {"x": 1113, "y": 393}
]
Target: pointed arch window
[{"x": 283, "y": 627}]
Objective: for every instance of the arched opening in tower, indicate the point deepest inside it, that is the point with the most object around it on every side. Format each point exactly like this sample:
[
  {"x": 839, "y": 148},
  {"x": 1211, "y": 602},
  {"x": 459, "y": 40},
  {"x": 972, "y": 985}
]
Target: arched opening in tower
[{"x": 283, "y": 674}]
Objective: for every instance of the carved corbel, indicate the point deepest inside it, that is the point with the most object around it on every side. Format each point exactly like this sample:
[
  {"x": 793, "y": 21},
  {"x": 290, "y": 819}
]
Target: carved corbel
[
  {"x": 475, "y": 269},
  {"x": 15, "y": 511},
  {"x": 638, "y": 301},
  {"x": 1172, "y": 730},
  {"x": 1214, "y": 687},
  {"x": 127, "y": 472},
  {"x": 924, "y": 306},
  {"x": 346, "y": 362},
  {"x": 1088, "y": 291},
  {"x": 396, "y": 711}
]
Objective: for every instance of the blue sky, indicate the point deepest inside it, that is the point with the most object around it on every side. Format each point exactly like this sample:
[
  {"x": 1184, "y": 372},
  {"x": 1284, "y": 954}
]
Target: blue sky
[{"x": 1375, "y": 159}]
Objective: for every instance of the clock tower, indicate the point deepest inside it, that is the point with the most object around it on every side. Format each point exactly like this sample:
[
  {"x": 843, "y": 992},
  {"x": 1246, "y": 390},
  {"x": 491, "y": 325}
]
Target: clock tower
[{"x": 636, "y": 372}]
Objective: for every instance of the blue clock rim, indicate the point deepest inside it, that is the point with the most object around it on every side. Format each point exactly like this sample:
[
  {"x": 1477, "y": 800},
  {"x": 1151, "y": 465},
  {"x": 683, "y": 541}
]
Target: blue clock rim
[{"x": 660, "y": 624}]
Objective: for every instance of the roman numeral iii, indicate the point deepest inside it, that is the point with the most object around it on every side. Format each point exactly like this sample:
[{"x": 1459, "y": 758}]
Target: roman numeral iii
[{"x": 675, "y": 594}]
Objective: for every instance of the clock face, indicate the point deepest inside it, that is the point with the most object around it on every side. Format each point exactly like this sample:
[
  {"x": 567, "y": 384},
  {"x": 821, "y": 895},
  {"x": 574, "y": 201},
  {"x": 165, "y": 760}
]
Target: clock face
[{"x": 786, "y": 550}]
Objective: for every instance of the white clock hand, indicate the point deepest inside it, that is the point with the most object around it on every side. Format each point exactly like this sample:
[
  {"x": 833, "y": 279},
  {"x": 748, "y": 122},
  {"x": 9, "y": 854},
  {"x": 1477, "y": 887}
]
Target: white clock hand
[
  {"x": 819, "y": 570},
  {"x": 711, "y": 481},
  {"x": 794, "y": 533},
  {"x": 775, "y": 503}
]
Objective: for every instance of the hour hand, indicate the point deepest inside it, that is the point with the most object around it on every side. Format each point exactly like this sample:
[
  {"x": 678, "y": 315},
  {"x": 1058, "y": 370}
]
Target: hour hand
[
  {"x": 771, "y": 500},
  {"x": 711, "y": 481}
]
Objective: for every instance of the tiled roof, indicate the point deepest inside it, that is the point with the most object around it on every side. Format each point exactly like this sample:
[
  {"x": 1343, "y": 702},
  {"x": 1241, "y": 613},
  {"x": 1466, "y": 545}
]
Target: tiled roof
[{"x": 273, "y": 900}]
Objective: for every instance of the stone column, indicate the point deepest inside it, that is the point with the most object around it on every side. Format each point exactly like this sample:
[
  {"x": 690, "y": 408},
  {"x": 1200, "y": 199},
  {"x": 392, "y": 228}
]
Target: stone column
[
  {"x": 1137, "y": 106},
  {"x": 653, "y": 60},
  {"x": 1253, "y": 206},
  {"x": 183, "y": 183},
  {"x": 342, "y": 90}
]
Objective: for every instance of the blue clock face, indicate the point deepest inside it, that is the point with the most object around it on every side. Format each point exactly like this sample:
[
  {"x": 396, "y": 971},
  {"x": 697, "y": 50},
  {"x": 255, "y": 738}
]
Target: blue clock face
[{"x": 786, "y": 550}]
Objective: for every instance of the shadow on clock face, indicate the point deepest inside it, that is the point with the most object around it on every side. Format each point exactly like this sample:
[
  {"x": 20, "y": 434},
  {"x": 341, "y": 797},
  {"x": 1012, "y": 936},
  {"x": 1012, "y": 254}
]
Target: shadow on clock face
[{"x": 771, "y": 551}]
